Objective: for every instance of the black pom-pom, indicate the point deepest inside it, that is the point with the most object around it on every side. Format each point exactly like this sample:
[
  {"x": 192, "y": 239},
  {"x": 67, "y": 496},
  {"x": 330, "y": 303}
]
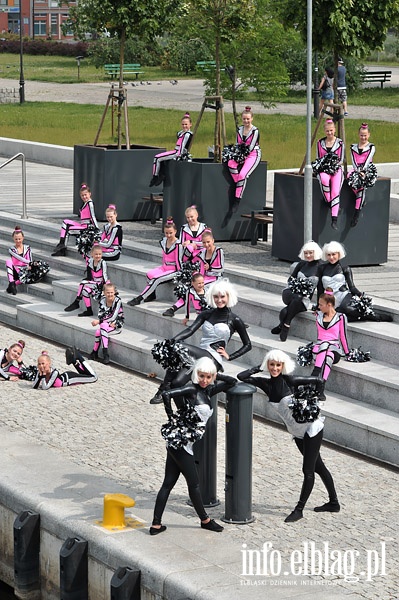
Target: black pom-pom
[
  {"x": 304, "y": 355},
  {"x": 182, "y": 279},
  {"x": 34, "y": 273},
  {"x": 357, "y": 355},
  {"x": 183, "y": 427},
  {"x": 356, "y": 181},
  {"x": 86, "y": 239},
  {"x": 303, "y": 286},
  {"x": 172, "y": 355},
  {"x": 29, "y": 373},
  {"x": 329, "y": 163},
  {"x": 363, "y": 305},
  {"x": 304, "y": 404},
  {"x": 185, "y": 156},
  {"x": 237, "y": 152}
]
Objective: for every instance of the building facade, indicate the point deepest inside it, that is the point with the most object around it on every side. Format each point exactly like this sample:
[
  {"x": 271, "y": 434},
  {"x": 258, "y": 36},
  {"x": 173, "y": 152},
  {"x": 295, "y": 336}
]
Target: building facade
[{"x": 40, "y": 18}]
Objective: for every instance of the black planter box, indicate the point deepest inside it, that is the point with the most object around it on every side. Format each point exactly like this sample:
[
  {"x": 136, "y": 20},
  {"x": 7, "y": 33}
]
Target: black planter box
[
  {"x": 365, "y": 244},
  {"x": 208, "y": 185},
  {"x": 119, "y": 177}
]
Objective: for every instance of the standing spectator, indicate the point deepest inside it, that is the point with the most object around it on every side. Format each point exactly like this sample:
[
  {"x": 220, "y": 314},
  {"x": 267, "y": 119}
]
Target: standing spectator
[
  {"x": 341, "y": 86},
  {"x": 326, "y": 88}
]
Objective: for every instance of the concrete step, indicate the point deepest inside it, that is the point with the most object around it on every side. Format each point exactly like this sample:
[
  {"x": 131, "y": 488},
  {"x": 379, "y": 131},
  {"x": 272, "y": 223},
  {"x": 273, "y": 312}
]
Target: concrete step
[
  {"x": 375, "y": 382},
  {"x": 367, "y": 430}
]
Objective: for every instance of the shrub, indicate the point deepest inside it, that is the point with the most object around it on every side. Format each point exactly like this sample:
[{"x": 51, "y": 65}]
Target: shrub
[{"x": 43, "y": 47}]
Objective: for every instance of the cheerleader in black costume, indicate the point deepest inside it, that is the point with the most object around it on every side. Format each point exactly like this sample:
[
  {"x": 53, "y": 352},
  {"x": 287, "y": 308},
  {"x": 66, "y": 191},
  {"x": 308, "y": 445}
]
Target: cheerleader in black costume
[
  {"x": 308, "y": 435},
  {"x": 218, "y": 325},
  {"x": 181, "y": 432},
  {"x": 332, "y": 274},
  {"x": 301, "y": 285}
]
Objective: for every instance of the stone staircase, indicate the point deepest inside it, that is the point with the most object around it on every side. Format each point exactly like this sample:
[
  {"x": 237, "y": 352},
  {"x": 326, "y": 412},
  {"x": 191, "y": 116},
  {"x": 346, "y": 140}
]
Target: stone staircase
[{"x": 362, "y": 399}]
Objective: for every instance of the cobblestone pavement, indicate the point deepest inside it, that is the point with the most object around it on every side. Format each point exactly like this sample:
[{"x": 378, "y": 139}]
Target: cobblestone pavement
[
  {"x": 186, "y": 95},
  {"x": 110, "y": 428}
]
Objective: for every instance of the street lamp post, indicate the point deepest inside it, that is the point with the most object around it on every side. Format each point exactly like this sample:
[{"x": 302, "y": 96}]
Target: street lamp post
[{"x": 21, "y": 58}]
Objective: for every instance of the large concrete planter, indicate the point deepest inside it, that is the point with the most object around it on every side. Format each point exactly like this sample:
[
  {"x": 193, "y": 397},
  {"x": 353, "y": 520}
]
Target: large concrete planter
[
  {"x": 207, "y": 185},
  {"x": 365, "y": 244},
  {"x": 115, "y": 176}
]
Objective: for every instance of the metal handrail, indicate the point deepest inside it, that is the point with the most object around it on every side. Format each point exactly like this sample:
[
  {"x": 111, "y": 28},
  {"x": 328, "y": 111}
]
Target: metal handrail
[{"x": 23, "y": 162}]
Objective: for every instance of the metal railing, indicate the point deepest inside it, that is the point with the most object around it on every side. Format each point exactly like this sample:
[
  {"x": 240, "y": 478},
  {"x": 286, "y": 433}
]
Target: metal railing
[{"x": 23, "y": 163}]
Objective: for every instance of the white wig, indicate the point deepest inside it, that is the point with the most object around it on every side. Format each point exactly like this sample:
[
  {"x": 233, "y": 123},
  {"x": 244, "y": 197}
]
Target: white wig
[
  {"x": 204, "y": 364},
  {"x": 333, "y": 247},
  {"x": 308, "y": 247},
  {"x": 221, "y": 286},
  {"x": 279, "y": 356}
]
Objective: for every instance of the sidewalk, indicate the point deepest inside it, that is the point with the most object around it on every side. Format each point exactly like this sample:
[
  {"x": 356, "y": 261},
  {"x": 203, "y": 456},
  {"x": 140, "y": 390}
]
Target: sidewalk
[
  {"x": 186, "y": 95},
  {"x": 115, "y": 435}
]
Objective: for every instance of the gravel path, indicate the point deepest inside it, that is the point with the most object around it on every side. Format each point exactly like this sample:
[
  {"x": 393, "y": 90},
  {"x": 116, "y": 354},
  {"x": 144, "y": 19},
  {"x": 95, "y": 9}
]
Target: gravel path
[{"x": 185, "y": 95}]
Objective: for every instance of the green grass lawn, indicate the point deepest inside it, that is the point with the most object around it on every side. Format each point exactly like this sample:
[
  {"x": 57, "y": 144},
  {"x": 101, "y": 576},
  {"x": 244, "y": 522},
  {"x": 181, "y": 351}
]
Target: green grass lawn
[{"x": 282, "y": 136}]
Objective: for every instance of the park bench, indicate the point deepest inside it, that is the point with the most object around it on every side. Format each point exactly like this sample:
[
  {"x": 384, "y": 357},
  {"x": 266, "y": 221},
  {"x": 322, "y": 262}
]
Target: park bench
[
  {"x": 259, "y": 225},
  {"x": 156, "y": 201},
  {"x": 128, "y": 69},
  {"x": 206, "y": 65},
  {"x": 377, "y": 76}
]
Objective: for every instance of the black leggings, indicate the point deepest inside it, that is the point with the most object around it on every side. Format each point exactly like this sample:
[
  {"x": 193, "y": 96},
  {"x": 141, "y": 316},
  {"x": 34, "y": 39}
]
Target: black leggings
[
  {"x": 309, "y": 447},
  {"x": 178, "y": 379},
  {"x": 294, "y": 306},
  {"x": 179, "y": 461}
]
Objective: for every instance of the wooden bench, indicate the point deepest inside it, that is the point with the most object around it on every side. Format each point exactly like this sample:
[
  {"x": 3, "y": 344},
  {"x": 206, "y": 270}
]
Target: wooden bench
[
  {"x": 156, "y": 206},
  {"x": 260, "y": 221},
  {"x": 377, "y": 76},
  {"x": 128, "y": 69}
]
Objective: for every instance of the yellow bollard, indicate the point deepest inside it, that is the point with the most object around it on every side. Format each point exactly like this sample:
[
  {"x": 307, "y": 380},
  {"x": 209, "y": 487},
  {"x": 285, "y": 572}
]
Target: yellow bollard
[{"x": 114, "y": 510}]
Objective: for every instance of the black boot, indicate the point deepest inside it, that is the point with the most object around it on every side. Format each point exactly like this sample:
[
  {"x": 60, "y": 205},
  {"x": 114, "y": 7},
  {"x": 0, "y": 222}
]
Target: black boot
[
  {"x": 60, "y": 249},
  {"x": 296, "y": 515},
  {"x": 86, "y": 313},
  {"x": 135, "y": 301},
  {"x": 170, "y": 312},
  {"x": 12, "y": 288},
  {"x": 157, "y": 398},
  {"x": 105, "y": 356},
  {"x": 284, "y": 332},
  {"x": 330, "y": 506},
  {"x": 93, "y": 355},
  {"x": 276, "y": 330},
  {"x": 73, "y": 306}
]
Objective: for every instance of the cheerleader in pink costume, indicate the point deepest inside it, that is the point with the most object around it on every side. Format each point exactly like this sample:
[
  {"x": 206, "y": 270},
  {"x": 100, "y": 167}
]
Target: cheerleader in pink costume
[
  {"x": 183, "y": 142},
  {"x": 96, "y": 277},
  {"x": 362, "y": 156},
  {"x": 331, "y": 184},
  {"x": 171, "y": 263},
  {"x": 211, "y": 258},
  {"x": 112, "y": 235},
  {"x": 21, "y": 256},
  {"x": 110, "y": 321},
  {"x": 87, "y": 217},
  {"x": 332, "y": 341},
  {"x": 247, "y": 135},
  {"x": 8, "y": 357},
  {"x": 190, "y": 236},
  {"x": 47, "y": 377}
]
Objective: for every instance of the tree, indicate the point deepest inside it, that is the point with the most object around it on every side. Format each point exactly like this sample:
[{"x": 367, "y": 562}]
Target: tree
[
  {"x": 345, "y": 27},
  {"x": 121, "y": 19}
]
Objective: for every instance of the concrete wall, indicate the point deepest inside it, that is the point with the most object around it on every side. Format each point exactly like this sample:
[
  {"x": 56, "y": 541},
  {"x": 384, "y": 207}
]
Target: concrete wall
[{"x": 48, "y": 154}]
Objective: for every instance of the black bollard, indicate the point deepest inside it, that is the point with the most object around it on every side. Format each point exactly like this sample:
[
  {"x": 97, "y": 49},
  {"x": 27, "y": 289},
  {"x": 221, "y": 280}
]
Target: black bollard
[
  {"x": 205, "y": 455},
  {"x": 125, "y": 584},
  {"x": 74, "y": 570},
  {"x": 26, "y": 555},
  {"x": 238, "y": 484}
]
